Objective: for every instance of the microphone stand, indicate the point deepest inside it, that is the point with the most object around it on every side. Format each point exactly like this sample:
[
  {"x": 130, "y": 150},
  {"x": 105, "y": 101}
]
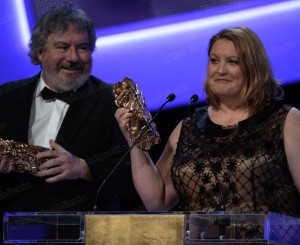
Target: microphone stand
[
  {"x": 170, "y": 98},
  {"x": 219, "y": 221},
  {"x": 222, "y": 222}
]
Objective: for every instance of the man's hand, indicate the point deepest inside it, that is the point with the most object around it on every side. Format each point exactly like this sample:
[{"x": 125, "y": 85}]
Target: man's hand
[
  {"x": 6, "y": 166},
  {"x": 62, "y": 165}
]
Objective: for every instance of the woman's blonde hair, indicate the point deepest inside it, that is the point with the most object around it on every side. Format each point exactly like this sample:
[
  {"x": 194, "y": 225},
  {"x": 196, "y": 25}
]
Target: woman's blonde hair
[{"x": 260, "y": 85}]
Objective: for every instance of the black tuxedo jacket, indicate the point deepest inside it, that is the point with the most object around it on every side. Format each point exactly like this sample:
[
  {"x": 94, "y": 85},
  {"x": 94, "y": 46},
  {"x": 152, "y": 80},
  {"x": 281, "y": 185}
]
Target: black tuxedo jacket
[{"x": 89, "y": 131}]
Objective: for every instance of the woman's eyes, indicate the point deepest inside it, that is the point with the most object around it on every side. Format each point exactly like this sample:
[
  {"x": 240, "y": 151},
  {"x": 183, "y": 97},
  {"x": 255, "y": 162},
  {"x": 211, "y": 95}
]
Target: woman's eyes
[
  {"x": 233, "y": 62},
  {"x": 214, "y": 60}
]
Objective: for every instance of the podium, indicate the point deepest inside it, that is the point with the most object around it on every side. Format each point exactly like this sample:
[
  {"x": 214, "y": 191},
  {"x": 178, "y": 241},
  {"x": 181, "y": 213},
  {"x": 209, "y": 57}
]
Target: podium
[{"x": 161, "y": 228}]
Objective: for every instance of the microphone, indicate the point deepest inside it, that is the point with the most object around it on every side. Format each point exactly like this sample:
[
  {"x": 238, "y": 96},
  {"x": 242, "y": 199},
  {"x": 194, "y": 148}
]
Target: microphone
[
  {"x": 170, "y": 98},
  {"x": 193, "y": 100}
]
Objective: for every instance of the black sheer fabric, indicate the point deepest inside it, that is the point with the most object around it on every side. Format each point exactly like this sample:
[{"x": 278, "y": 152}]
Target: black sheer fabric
[{"x": 241, "y": 167}]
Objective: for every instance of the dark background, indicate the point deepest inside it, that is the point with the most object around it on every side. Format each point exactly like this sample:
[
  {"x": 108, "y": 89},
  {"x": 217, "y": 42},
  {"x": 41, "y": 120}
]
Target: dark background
[{"x": 107, "y": 13}]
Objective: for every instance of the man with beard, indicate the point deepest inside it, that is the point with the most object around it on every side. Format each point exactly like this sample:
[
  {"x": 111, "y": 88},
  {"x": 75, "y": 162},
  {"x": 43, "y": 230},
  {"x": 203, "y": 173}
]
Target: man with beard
[{"x": 69, "y": 112}]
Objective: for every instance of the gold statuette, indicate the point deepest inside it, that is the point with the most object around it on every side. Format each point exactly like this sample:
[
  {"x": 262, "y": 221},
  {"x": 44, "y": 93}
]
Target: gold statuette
[
  {"x": 23, "y": 155},
  {"x": 128, "y": 95}
]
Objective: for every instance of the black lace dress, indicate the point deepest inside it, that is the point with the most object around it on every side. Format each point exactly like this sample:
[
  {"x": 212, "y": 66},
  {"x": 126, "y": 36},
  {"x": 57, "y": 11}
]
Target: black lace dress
[{"x": 242, "y": 168}]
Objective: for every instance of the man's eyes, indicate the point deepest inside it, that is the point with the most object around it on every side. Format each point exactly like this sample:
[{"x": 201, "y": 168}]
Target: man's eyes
[
  {"x": 80, "y": 49},
  {"x": 61, "y": 47},
  {"x": 83, "y": 49}
]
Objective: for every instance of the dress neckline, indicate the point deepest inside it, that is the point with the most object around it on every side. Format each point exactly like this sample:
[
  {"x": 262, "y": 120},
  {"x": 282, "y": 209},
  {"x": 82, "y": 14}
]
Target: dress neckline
[{"x": 211, "y": 129}]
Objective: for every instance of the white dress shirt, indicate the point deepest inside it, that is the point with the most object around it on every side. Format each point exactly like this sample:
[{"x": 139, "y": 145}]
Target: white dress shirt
[{"x": 45, "y": 117}]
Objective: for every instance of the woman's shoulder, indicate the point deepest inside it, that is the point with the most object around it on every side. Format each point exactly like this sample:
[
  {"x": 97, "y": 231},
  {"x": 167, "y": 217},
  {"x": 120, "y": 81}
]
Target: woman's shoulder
[{"x": 293, "y": 115}]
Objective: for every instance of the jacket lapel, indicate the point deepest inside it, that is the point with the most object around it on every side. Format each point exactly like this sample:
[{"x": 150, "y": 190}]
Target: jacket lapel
[
  {"x": 84, "y": 103},
  {"x": 19, "y": 108}
]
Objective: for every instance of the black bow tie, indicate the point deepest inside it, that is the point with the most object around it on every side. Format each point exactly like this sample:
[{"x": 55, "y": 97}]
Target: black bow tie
[{"x": 49, "y": 94}]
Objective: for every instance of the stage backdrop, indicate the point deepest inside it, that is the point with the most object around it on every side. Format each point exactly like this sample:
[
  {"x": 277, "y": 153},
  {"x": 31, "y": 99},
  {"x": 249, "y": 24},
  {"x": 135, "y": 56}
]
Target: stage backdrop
[{"x": 161, "y": 45}]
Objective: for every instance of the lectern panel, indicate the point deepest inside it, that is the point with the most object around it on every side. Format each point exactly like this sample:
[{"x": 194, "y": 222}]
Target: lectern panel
[
  {"x": 136, "y": 229},
  {"x": 170, "y": 228}
]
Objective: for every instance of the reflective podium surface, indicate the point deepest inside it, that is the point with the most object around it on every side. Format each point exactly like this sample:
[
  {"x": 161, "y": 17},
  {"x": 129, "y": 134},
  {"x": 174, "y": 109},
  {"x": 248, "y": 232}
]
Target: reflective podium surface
[
  {"x": 43, "y": 228},
  {"x": 150, "y": 228},
  {"x": 235, "y": 228}
]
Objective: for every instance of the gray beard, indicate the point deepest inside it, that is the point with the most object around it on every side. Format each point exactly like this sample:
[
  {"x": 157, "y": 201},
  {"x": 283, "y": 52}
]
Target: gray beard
[{"x": 77, "y": 82}]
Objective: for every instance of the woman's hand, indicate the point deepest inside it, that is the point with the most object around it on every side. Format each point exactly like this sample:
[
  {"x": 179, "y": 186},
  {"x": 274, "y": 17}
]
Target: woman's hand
[{"x": 123, "y": 117}]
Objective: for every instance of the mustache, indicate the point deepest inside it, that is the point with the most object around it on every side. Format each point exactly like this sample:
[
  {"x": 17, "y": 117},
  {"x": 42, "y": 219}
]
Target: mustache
[{"x": 71, "y": 66}]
